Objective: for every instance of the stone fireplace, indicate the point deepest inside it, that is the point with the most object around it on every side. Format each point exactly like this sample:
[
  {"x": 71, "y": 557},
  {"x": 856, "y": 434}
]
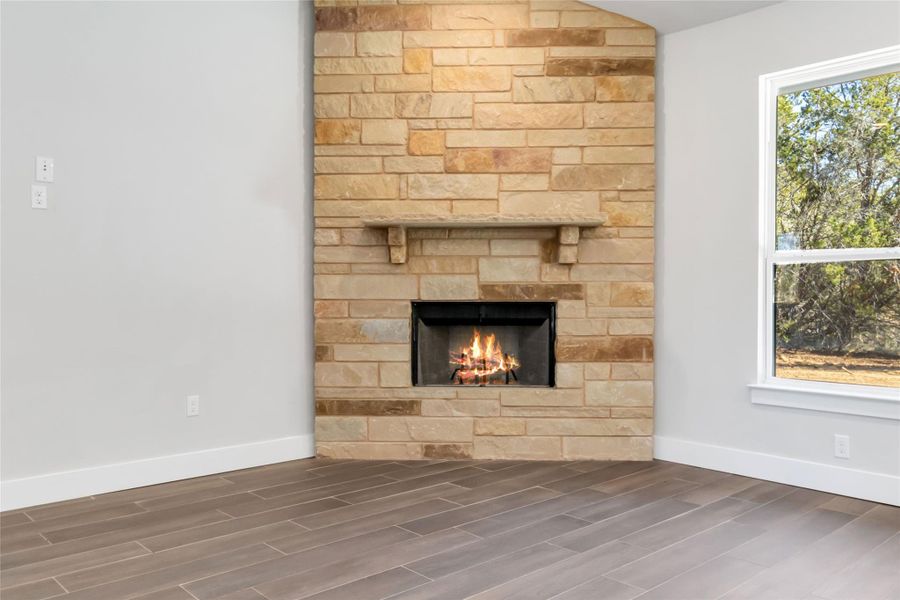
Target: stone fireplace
[{"x": 484, "y": 231}]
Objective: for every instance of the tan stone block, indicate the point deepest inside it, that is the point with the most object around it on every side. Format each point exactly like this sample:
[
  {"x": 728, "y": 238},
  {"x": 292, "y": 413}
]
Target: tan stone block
[
  {"x": 471, "y": 79},
  {"x": 390, "y": 18},
  {"x": 447, "y": 39},
  {"x": 590, "y": 427},
  {"x": 617, "y": 312},
  {"x": 619, "y": 114},
  {"x": 366, "y": 287},
  {"x": 554, "y": 272},
  {"x": 625, "y": 88},
  {"x": 329, "y": 43},
  {"x": 508, "y": 56},
  {"x": 569, "y": 375},
  {"x": 528, "y": 71},
  {"x": 443, "y": 264},
  {"x": 448, "y": 287},
  {"x": 612, "y": 273},
  {"x": 330, "y": 308},
  {"x": 499, "y": 426},
  {"x": 448, "y": 451},
  {"x": 553, "y": 89},
  {"x": 509, "y": 269},
  {"x": 618, "y": 154},
  {"x": 596, "y": 371},
  {"x": 616, "y": 251},
  {"x": 358, "y": 66},
  {"x": 515, "y": 247},
  {"x": 426, "y": 142},
  {"x": 488, "y": 139},
  {"x": 417, "y": 60},
  {"x": 631, "y": 294},
  {"x": 555, "y": 37},
  {"x": 540, "y": 397},
  {"x": 327, "y": 237},
  {"x": 476, "y": 392},
  {"x": 528, "y": 116},
  {"x": 335, "y": 84},
  {"x": 492, "y": 96},
  {"x": 348, "y": 331},
  {"x": 351, "y": 254},
  {"x": 420, "y": 429},
  {"x": 567, "y": 255},
  {"x": 591, "y": 137},
  {"x": 384, "y": 131},
  {"x": 454, "y": 123},
  {"x": 354, "y": 164},
  {"x": 604, "y": 349},
  {"x": 544, "y": 19},
  {"x": 450, "y": 56},
  {"x": 628, "y": 214},
  {"x": 438, "y": 407},
  {"x": 413, "y": 164},
  {"x": 598, "y": 293},
  {"x": 637, "y": 196},
  {"x": 369, "y": 450},
  {"x": 453, "y": 186},
  {"x": 487, "y": 16},
  {"x": 497, "y": 160},
  {"x": 630, "y": 37},
  {"x": 475, "y": 207},
  {"x": 379, "y": 43},
  {"x": 356, "y": 186},
  {"x": 571, "y": 309},
  {"x": 341, "y": 429},
  {"x": 608, "y": 448},
  {"x": 394, "y": 375},
  {"x": 566, "y": 156},
  {"x": 331, "y": 106},
  {"x": 632, "y": 371},
  {"x": 595, "y": 18},
  {"x": 337, "y": 131},
  {"x": 352, "y": 150},
  {"x": 581, "y": 326},
  {"x": 524, "y": 182},
  {"x": 532, "y": 291},
  {"x": 371, "y": 106},
  {"x": 517, "y": 448},
  {"x": 579, "y": 412},
  {"x": 364, "y": 237},
  {"x": 455, "y": 247},
  {"x": 328, "y": 269},
  {"x": 403, "y": 83},
  {"x": 549, "y": 203},
  {"x": 603, "y": 177},
  {"x": 379, "y": 308},
  {"x": 335, "y": 374},
  {"x": 631, "y": 413},
  {"x": 619, "y": 393},
  {"x": 435, "y": 106},
  {"x": 371, "y": 352}
]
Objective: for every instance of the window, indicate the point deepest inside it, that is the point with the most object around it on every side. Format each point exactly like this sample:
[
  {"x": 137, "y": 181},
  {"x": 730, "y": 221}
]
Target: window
[{"x": 830, "y": 232}]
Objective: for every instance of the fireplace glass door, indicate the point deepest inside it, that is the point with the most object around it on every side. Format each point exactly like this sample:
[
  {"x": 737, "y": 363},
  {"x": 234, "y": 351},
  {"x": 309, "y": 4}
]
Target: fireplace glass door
[{"x": 483, "y": 343}]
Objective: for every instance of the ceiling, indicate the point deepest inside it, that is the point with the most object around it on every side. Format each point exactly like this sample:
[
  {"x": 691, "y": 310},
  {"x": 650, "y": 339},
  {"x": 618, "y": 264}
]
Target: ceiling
[{"x": 669, "y": 16}]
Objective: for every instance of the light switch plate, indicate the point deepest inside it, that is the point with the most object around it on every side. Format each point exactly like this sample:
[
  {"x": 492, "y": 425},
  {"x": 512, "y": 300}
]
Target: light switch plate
[
  {"x": 39, "y": 196},
  {"x": 43, "y": 169}
]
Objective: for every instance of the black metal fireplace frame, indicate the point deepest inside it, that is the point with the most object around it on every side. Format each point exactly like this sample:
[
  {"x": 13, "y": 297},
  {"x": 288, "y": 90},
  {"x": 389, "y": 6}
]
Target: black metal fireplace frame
[{"x": 482, "y": 313}]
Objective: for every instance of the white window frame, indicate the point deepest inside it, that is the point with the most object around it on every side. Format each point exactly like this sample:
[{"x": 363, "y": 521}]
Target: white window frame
[{"x": 872, "y": 401}]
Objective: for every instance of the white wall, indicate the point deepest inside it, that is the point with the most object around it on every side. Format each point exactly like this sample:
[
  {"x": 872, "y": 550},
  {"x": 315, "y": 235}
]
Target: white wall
[
  {"x": 707, "y": 252},
  {"x": 175, "y": 257}
]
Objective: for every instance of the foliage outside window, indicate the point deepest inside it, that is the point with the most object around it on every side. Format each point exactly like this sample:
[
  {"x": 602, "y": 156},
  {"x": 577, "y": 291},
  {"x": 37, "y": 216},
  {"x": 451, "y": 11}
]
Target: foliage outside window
[{"x": 834, "y": 272}]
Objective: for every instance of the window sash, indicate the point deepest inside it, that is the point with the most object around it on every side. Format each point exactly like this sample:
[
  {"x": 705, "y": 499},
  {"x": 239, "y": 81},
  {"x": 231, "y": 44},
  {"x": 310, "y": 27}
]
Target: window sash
[{"x": 770, "y": 86}]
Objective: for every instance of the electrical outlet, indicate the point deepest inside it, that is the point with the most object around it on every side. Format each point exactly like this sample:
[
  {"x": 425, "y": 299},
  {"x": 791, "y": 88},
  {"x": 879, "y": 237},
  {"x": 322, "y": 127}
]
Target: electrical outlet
[
  {"x": 43, "y": 169},
  {"x": 193, "y": 406},
  {"x": 39, "y": 196},
  {"x": 842, "y": 446}
]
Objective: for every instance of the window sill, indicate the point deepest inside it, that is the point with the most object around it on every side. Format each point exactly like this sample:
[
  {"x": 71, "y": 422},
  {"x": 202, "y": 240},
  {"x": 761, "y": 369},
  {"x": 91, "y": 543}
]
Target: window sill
[{"x": 881, "y": 405}]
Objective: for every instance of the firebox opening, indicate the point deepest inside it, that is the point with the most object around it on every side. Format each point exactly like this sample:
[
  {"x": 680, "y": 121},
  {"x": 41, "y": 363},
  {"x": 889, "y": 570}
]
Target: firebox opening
[{"x": 483, "y": 343}]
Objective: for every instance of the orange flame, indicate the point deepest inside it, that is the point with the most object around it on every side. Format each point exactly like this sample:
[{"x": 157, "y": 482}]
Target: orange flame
[{"x": 481, "y": 359}]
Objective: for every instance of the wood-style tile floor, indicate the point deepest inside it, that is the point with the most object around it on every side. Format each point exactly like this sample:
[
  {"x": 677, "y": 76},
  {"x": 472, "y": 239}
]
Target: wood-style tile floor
[{"x": 353, "y": 530}]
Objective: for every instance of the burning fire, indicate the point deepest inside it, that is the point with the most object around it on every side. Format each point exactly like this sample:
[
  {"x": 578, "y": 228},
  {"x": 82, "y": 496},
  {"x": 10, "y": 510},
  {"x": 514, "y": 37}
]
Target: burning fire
[{"x": 480, "y": 360}]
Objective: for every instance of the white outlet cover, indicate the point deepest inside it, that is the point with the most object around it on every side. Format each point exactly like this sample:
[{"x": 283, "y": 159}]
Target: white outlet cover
[
  {"x": 193, "y": 406},
  {"x": 43, "y": 169},
  {"x": 39, "y": 196}
]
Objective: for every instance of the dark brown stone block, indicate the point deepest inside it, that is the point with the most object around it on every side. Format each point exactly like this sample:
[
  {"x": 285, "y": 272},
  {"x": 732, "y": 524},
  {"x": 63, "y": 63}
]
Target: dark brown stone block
[
  {"x": 447, "y": 450},
  {"x": 324, "y": 353},
  {"x": 336, "y": 18},
  {"x": 392, "y": 18},
  {"x": 532, "y": 291},
  {"x": 555, "y": 37},
  {"x": 604, "y": 349},
  {"x": 373, "y": 408},
  {"x": 600, "y": 66}
]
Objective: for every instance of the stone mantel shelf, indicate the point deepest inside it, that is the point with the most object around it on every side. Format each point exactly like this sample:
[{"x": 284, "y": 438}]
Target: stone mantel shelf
[{"x": 568, "y": 225}]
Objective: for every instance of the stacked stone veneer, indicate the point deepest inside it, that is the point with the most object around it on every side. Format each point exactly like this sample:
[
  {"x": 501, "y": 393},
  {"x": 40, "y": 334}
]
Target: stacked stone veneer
[{"x": 519, "y": 108}]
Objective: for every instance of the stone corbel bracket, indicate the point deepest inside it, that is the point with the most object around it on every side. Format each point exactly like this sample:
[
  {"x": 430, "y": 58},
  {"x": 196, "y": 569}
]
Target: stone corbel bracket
[{"x": 569, "y": 228}]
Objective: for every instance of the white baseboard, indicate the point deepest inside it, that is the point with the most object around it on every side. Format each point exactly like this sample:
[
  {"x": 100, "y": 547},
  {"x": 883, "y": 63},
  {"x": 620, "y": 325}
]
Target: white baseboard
[
  {"x": 52, "y": 487},
  {"x": 867, "y": 485}
]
